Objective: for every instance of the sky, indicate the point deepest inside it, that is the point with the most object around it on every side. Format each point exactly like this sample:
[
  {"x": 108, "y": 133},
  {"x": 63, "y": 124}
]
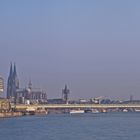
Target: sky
[{"x": 93, "y": 46}]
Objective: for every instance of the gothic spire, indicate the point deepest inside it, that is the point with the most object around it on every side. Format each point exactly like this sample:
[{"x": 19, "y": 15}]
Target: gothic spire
[
  {"x": 11, "y": 70},
  {"x": 14, "y": 72}
]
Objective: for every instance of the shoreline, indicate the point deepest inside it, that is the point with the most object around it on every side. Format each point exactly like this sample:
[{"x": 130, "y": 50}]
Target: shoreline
[{"x": 10, "y": 114}]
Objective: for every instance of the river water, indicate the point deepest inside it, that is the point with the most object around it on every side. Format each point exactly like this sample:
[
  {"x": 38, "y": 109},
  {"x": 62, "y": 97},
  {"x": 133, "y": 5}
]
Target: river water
[{"x": 102, "y": 126}]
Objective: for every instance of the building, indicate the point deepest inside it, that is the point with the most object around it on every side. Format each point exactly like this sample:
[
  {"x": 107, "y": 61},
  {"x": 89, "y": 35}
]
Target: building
[
  {"x": 31, "y": 95},
  {"x": 15, "y": 94},
  {"x": 12, "y": 84},
  {"x": 63, "y": 100},
  {"x": 1, "y": 85},
  {"x": 65, "y": 93},
  {"x": 4, "y": 105}
]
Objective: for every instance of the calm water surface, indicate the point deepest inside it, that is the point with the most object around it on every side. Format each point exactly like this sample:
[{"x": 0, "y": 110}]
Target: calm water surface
[{"x": 104, "y": 126}]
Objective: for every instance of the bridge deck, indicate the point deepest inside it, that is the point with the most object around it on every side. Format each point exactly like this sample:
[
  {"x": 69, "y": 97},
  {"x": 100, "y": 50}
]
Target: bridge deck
[{"x": 83, "y": 106}]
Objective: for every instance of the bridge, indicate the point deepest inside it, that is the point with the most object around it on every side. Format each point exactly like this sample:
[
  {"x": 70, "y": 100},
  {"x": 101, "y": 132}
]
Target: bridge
[{"x": 77, "y": 106}]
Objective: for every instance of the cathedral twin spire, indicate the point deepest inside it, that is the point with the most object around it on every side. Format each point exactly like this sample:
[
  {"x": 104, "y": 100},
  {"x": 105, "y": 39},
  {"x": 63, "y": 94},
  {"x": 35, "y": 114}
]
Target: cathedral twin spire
[
  {"x": 13, "y": 71},
  {"x": 13, "y": 82}
]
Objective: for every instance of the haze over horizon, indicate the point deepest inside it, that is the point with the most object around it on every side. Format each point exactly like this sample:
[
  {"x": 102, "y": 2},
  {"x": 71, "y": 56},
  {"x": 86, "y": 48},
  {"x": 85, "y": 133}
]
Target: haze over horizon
[{"x": 92, "y": 46}]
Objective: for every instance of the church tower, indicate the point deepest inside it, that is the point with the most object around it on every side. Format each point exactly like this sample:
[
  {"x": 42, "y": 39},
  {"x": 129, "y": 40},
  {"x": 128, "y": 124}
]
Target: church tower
[
  {"x": 65, "y": 93},
  {"x": 15, "y": 78},
  {"x": 9, "y": 84},
  {"x": 12, "y": 84}
]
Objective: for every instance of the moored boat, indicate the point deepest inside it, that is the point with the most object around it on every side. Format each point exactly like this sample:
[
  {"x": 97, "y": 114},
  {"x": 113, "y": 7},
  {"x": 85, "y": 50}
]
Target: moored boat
[
  {"x": 137, "y": 110},
  {"x": 92, "y": 111},
  {"x": 95, "y": 111},
  {"x": 76, "y": 111}
]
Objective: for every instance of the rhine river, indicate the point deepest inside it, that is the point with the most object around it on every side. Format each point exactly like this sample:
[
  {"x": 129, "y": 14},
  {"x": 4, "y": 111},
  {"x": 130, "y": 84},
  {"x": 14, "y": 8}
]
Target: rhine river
[{"x": 102, "y": 126}]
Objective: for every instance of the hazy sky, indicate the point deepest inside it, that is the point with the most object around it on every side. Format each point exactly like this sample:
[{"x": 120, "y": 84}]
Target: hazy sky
[{"x": 93, "y": 46}]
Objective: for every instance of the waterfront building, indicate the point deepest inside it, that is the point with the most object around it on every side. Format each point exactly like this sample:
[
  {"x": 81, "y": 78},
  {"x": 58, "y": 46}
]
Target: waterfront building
[
  {"x": 65, "y": 93},
  {"x": 28, "y": 95},
  {"x": 1, "y": 84},
  {"x": 63, "y": 100},
  {"x": 12, "y": 84},
  {"x": 31, "y": 95},
  {"x": 4, "y": 105}
]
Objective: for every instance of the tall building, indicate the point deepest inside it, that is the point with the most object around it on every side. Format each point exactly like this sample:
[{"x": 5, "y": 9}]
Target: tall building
[
  {"x": 1, "y": 85},
  {"x": 65, "y": 93},
  {"x": 22, "y": 95},
  {"x": 12, "y": 84}
]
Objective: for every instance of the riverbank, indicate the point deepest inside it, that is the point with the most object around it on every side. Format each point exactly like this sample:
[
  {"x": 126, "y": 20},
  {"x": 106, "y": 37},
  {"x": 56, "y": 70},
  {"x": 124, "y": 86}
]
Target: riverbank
[{"x": 10, "y": 114}]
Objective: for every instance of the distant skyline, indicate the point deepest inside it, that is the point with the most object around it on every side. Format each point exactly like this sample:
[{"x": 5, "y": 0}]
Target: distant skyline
[{"x": 92, "y": 46}]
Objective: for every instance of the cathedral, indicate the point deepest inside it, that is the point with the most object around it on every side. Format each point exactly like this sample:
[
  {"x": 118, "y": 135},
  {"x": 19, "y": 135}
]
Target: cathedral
[
  {"x": 23, "y": 95},
  {"x": 12, "y": 84}
]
